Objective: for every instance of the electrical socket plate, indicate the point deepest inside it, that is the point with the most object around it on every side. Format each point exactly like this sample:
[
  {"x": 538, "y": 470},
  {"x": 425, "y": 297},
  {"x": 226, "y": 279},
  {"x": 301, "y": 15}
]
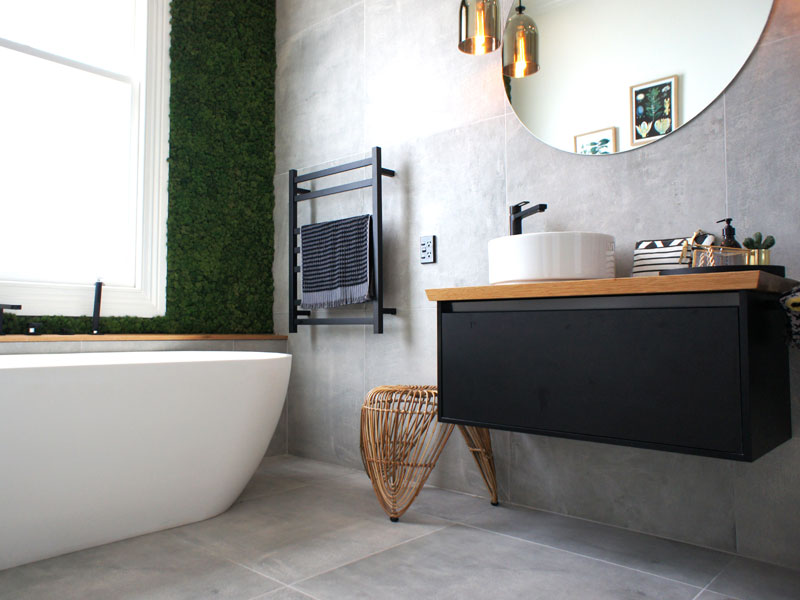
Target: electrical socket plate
[{"x": 427, "y": 249}]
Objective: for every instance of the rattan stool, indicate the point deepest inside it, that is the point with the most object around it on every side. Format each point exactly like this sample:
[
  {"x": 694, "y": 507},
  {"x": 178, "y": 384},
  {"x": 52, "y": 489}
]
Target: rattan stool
[{"x": 401, "y": 440}]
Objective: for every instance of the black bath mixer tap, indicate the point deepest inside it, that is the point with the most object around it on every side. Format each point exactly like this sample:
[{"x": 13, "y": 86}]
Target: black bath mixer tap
[{"x": 516, "y": 214}]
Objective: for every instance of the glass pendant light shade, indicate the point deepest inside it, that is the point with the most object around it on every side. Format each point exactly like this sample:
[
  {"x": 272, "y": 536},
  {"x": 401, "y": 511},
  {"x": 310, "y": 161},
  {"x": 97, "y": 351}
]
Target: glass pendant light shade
[
  {"x": 519, "y": 45},
  {"x": 478, "y": 26}
]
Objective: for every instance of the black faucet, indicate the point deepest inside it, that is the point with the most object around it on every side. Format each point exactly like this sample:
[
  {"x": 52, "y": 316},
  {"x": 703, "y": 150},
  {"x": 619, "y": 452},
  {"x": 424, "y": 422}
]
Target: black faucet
[
  {"x": 516, "y": 214},
  {"x": 98, "y": 291},
  {"x": 9, "y": 307}
]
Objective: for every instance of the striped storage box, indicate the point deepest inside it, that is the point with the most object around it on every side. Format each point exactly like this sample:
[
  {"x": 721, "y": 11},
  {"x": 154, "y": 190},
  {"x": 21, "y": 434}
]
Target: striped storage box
[{"x": 652, "y": 256}]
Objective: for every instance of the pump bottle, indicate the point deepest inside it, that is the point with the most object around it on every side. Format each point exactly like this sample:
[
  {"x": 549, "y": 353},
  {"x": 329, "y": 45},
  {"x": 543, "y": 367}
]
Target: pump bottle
[{"x": 729, "y": 235}]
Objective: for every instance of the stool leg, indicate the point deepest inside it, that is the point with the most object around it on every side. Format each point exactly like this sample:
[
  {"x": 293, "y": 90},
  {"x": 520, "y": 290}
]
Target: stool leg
[{"x": 479, "y": 442}]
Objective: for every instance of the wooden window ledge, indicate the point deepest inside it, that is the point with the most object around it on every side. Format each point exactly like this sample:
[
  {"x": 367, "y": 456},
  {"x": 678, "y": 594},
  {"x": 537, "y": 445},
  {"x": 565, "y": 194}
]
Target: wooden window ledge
[{"x": 149, "y": 337}]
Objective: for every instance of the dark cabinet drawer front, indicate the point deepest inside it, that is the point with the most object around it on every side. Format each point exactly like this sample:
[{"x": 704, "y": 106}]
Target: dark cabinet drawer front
[{"x": 660, "y": 376}]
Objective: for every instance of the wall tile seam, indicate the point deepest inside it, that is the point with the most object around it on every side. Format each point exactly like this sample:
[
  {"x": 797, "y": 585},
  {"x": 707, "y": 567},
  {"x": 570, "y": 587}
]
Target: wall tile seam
[
  {"x": 701, "y": 593},
  {"x": 464, "y": 126},
  {"x": 300, "y": 32},
  {"x": 364, "y": 123},
  {"x": 308, "y": 168},
  {"x": 760, "y": 44},
  {"x": 505, "y": 157},
  {"x": 731, "y": 553},
  {"x": 588, "y": 557},
  {"x": 346, "y": 158},
  {"x": 766, "y": 43},
  {"x": 725, "y": 150},
  {"x": 364, "y": 370}
]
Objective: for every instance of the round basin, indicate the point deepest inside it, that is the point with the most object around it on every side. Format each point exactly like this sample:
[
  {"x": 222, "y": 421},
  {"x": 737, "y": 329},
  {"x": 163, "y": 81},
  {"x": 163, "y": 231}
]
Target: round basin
[{"x": 551, "y": 256}]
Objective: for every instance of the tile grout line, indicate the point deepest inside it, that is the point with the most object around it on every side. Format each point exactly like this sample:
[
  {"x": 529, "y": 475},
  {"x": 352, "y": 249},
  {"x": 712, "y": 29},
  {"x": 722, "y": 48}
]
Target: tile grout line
[
  {"x": 299, "y": 591},
  {"x": 300, "y": 32},
  {"x": 270, "y": 593},
  {"x": 371, "y": 554},
  {"x": 517, "y": 505},
  {"x": 509, "y": 471},
  {"x": 713, "y": 579},
  {"x": 364, "y": 76},
  {"x": 218, "y": 556},
  {"x": 505, "y": 155},
  {"x": 725, "y": 150},
  {"x": 357, "y": 156},
  {"x": 349, "y": 157},
  {"x": 761, "y": 44},
  {"x": 594, "y": 558}
]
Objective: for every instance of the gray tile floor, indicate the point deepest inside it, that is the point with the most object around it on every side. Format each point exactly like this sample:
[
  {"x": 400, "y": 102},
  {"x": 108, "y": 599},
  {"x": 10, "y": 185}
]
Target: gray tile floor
[{"x": 304, "y": 529}]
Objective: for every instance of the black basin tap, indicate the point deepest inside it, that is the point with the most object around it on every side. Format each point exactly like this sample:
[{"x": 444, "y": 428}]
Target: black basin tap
[{"x": 516, "y": 214}]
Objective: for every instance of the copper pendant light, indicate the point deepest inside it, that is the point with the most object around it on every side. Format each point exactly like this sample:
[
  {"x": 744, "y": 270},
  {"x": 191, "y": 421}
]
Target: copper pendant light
[
  {"x": 519, "y": 45},
  {"x": 478, "y": 26}
]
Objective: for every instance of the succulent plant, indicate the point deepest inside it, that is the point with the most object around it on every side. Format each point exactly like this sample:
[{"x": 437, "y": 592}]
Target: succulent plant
[{"x": 758, "y": 242}]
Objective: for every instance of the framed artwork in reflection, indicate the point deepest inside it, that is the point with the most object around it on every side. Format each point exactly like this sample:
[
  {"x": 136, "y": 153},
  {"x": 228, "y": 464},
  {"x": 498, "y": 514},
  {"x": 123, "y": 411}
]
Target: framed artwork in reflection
[
  {"x": 602, "y": 141},
  {"x": 654, "y": 109}
]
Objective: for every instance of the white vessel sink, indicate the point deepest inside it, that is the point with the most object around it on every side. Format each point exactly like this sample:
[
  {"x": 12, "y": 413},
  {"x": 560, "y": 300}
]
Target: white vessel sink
[{"x": 551, "y": 256}]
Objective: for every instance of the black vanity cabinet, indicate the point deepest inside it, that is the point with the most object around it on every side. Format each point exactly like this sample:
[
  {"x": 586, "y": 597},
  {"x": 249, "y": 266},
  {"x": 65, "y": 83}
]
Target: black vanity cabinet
[{"x": 701, "y": 373}]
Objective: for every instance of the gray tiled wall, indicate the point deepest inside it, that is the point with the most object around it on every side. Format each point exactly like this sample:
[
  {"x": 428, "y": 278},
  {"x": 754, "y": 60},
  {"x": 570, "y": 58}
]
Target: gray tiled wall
[{"x": 387, "y": 72}]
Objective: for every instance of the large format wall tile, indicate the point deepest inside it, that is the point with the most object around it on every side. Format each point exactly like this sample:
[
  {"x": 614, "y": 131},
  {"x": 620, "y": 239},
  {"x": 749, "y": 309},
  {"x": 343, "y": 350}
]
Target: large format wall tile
[
  {"x": 763, "y": 125},
  {"x": 683, "y": 497},
  {"x": 784, "y": 21},
  {"x": 406, "y": 352},
  {"x": 462, "y": 158},
  {"x": 667, "y": 189},
  {"x": 319, "y": 94},
  {"x": 456, "y": 469},
  {"x": 767, "y": 494},
  {"x": 296, "y": 16},
  {"x": 326, "y": 392},
  {"x": 413, "y": 68},
  {"x": 450, "y": 185},
  {"x": 763, "y": 122}
]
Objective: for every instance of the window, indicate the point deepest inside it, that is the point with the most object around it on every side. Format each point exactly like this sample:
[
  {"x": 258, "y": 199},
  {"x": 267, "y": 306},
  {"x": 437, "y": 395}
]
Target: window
[{"x": 83, "y": 149}]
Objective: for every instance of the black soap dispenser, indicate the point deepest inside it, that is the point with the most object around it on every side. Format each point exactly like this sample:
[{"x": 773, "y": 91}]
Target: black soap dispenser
[{"x": 729, "y": 235}]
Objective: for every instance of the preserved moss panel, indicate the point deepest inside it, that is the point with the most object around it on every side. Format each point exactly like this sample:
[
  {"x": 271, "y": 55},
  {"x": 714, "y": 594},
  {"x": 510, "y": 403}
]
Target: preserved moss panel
[{"x": 221, "y": 166}]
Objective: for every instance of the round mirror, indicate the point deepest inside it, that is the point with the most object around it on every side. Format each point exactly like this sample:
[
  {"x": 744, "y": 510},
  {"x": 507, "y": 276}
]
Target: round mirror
[{"x": 614, "y": 75}]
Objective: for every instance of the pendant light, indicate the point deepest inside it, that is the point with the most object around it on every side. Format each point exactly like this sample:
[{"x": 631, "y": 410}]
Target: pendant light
[
  {"x": 478, "y": 26},
  {"x": 519, "y": 45}
]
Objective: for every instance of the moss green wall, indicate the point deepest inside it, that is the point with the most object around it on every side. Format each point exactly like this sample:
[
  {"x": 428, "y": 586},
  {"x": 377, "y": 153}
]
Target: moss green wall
[{"x": 221, "y": 166}]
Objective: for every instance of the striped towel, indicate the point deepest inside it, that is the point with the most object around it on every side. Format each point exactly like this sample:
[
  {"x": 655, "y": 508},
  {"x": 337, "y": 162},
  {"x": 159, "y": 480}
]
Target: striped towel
[{"x": 336, "y": 262}]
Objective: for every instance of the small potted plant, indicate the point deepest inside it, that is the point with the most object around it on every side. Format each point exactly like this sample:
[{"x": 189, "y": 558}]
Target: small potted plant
[{"x": 759, "y": 248}]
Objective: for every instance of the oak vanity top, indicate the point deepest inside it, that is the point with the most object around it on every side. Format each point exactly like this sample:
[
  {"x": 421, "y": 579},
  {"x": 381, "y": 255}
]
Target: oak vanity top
[{"x": 756, "y": 281}]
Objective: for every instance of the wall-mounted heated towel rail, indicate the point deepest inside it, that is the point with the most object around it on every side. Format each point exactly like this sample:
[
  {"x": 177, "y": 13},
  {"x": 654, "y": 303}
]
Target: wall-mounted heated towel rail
[{"x": 297, "y": 195}]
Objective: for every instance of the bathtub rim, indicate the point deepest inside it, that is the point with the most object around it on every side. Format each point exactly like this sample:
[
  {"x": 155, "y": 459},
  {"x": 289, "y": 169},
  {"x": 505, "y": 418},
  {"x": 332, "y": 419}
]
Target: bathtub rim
[{"x": 146, "y": 357}]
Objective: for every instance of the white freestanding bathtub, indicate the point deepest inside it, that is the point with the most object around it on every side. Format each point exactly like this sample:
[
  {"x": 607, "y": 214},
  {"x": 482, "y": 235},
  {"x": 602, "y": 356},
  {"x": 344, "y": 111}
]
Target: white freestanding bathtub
[{"x": 98, "y": 447}]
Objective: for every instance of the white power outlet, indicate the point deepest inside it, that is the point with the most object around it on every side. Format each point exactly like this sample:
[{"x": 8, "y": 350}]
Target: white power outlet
[{"x": 427, "y": 249}]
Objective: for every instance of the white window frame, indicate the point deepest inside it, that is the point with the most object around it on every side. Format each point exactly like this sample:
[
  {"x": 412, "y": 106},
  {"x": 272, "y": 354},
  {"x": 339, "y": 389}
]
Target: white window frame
[{"x": 147, "y": 298}]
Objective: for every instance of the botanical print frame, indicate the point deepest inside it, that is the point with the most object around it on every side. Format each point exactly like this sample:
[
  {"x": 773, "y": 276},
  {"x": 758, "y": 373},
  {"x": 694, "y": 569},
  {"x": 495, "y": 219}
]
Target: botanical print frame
[
  {"x": 654, "y": 109},
  {"x": 602, "y": 141}
]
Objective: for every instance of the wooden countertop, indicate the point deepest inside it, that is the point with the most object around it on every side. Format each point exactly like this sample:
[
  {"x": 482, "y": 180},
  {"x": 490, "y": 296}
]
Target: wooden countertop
[
  {"x": 759, "y": 281},
  {"x": 149, "y": 337}
]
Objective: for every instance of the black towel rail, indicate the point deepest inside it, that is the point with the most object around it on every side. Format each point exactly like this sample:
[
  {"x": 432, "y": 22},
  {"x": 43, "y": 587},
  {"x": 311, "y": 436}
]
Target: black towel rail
[{"x": 298, "y": 194}]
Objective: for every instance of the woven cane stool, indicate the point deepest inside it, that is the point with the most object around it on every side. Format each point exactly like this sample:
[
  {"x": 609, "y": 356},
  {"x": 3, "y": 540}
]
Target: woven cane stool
[{"x": 401, "y": 440}]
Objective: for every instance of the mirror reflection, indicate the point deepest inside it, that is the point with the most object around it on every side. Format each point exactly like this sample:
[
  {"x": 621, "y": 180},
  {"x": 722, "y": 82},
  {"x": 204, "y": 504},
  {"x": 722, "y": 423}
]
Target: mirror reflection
[{"x": 614, "y": 75}]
